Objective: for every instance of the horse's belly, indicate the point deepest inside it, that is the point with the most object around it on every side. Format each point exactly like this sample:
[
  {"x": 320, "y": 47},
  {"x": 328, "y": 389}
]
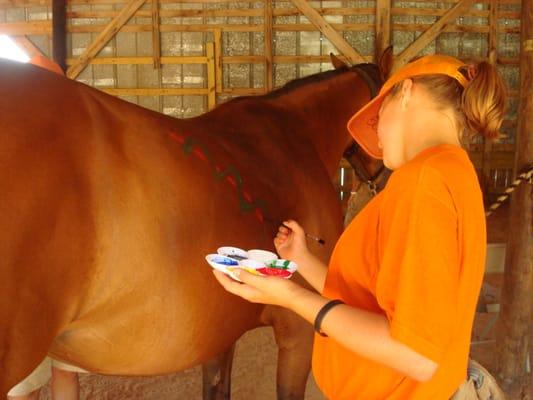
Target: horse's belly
[{"x": 155, "y": 334}]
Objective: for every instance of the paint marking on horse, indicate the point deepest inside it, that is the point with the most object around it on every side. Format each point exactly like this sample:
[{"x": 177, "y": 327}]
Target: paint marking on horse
[{"x": 191, "y": 145}]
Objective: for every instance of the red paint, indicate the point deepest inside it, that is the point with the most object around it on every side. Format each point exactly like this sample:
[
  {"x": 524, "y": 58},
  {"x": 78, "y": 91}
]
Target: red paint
[
  {"x": 247, "y": 196},
  {"x": 283, "y": 273},
  {"x": 198, "y": 153},
  {"x": 178, "y": 138},
  {"x": 232, "y": 182}
]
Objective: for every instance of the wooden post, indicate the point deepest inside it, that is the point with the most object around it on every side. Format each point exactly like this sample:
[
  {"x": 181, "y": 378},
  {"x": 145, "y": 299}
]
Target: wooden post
[
  {"x": 156, "y": 37},
  {"x": 211, "y": 86},
  {"x": 492, "y": 56},
  {"x": 515, "y": 324},
  {"x": 217, "y": 36},
  {"x": 268, "y": 46},
  {"x": 59, "y": 33},
  {"x": 383, "y": 23}
]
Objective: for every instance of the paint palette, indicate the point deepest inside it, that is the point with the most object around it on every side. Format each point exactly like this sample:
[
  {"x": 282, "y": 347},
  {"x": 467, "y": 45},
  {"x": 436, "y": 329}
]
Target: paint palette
[{"x": 257, "y": 262}]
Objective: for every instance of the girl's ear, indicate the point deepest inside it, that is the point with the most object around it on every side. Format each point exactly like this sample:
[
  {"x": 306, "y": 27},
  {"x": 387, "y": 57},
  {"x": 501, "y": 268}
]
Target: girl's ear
[{"x": 405, "y": 93}]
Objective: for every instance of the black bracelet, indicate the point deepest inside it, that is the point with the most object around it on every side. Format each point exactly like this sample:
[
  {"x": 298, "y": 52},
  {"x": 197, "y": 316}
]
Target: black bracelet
[{"x": 322, "y": 313}]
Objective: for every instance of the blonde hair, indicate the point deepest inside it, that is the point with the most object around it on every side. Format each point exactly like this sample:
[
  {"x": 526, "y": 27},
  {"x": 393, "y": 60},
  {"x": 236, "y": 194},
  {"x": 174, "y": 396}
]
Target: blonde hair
[{"x": 479, "y": 107}]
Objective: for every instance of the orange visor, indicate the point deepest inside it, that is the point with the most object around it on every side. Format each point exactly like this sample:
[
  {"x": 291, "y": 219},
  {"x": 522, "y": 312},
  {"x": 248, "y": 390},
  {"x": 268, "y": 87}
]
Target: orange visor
[{"x": 364, "y": 123}]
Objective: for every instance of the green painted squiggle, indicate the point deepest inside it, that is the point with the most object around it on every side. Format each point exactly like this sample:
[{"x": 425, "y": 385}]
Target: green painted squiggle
[{"x": 231, "y": 171}]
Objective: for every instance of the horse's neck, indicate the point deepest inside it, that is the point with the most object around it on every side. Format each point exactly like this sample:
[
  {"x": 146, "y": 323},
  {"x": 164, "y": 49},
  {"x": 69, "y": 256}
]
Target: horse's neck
[{"x": 325, "y": 108}]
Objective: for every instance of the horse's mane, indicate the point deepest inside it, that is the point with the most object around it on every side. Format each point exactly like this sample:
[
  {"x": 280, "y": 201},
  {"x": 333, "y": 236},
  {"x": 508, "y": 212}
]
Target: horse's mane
[{"x": 371, "y": 69}]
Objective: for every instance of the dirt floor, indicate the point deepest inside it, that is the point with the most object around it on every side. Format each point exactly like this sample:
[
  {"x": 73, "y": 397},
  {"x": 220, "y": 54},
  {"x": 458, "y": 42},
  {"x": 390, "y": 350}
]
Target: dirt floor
[{"x": 253, "y": 378}]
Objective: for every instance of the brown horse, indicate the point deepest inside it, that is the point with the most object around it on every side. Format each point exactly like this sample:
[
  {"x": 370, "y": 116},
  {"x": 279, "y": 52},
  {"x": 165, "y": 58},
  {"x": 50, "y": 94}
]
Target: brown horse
[{"x": 107, "y": 210}]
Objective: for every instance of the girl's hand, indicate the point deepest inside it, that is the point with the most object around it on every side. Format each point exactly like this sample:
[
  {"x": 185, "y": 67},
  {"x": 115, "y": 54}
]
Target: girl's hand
[
  {"x": 260, "y": 289},
  {"x": 290, "y": 243}
]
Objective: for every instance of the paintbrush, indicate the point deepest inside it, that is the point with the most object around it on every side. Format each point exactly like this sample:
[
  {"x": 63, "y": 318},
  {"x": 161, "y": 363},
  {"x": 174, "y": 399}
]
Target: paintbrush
[{"x": 315, "y": 238}]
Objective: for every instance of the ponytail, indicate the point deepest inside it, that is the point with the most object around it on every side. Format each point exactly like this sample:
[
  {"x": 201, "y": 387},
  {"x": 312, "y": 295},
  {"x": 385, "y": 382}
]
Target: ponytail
[{"x": 483, "y": 101}]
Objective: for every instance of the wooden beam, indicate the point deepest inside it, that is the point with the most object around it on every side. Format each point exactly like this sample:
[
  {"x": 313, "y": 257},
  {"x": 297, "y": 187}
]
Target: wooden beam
[
  {"x": 211, "y": 73},
  {"x": 156, "y": 35},
  {"x": 383, "y": 27},
  {"x": 217, "y": 36},
  {"x": 493, "y": 31},
  {"x": 329, "y": 32},
  {"x": 515, "y": 325},
  {"x": 155, "y": 91},
  {"x": 143, "y": 60},
  {"x": 26, "y": 28},
  {"x": 269, "y": 64},
  {"x": 59, "y": 33},
  {"x": 285, "y": 12},
  {"x": 104, "y": 37},
  {"x": 26, "y": 44},
  {"x": 431, "y": 33},
  {"x": 486, "y": 179}
]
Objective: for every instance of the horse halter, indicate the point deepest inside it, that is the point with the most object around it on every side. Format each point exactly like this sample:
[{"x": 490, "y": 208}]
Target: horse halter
[{"x": 374, "y": 182}]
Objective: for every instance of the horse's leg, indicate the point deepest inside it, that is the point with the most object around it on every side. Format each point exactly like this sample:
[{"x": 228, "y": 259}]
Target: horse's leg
[
  {"x": 294, "y": 337},
  {"x": 216, "y": 377},
  {"x": 23, "y": 346}
]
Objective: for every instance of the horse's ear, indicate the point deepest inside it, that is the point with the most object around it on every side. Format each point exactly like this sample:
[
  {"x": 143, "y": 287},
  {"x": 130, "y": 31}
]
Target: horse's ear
[
  {"x": 337, "y": 62},
  {"x": 385, "y": 63}
]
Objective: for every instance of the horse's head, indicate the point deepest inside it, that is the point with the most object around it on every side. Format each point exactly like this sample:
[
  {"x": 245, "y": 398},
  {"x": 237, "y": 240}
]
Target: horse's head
[{"x": 366, "y": 168}]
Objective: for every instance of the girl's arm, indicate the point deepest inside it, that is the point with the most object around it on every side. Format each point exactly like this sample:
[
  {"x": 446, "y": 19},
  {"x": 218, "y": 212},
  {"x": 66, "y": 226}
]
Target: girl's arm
[
  {"x": 313, "y": 270},
  {"x": 363, "y": 332}
]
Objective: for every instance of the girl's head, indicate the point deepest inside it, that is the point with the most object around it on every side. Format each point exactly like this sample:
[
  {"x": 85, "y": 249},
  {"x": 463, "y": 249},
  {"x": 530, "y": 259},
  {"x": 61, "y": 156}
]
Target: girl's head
[{"x": 434, "y": 100}]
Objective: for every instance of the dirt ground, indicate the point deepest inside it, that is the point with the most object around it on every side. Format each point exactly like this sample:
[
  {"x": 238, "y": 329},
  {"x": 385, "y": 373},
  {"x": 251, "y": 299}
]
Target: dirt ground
[{"x": 253, "y": 378}]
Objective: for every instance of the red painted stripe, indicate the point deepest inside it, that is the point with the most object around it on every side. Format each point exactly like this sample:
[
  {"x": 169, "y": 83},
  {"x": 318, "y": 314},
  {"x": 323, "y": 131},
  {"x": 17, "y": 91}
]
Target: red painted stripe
[
  {"x": 177, "y": 137},
  {"x": 259, "y": 214},
  {"x": 232, "y": 182},
  {"x": 198, "y": 153},
  {"x": 247, "y": 196}
]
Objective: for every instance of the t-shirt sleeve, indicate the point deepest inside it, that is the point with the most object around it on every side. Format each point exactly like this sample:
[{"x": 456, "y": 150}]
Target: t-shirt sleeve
[{"x": 418, "y": 277}]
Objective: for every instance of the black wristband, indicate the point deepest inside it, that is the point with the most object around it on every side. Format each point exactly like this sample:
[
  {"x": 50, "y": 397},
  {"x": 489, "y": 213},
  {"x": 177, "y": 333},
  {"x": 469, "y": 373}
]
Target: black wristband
[{"x": 322, "y": 313}]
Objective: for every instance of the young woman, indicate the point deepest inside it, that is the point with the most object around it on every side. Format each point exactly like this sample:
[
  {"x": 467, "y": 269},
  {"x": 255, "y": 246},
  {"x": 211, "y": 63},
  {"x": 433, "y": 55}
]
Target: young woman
[{"x": 406, "y": 273}]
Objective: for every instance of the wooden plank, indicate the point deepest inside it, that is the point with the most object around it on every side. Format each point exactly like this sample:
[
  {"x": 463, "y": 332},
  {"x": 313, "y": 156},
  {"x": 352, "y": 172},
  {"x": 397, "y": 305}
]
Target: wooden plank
[
  {"x": 269, "y": 61},
  {"x": 104, "y": 37},
  {"x": 286, "y": 12},
  {"x": 211, "y": 73},
  {"x": 33, "y": 3},
  {"x": 329, "y": 32},
  {"x": 26, "y": 28},
  {"x": 59, "y": 33},
  {"x": 243, "y": 91},
  {"x": 217, "y": 35},
  {"x": 25, "y": 43},
  {"x": 156, "y": 35},
  {"x": 143, "y": 60},
  {"x": 155, "y": 91},
  {"x": 282, "y": 28},
  {"x": 383, "y": 27},
  {"x": 493, "y": 31},
  {"x": 514, "y": 328},
  {"x": 431, "y": 33},
  {"x": 492, "y": 55}
]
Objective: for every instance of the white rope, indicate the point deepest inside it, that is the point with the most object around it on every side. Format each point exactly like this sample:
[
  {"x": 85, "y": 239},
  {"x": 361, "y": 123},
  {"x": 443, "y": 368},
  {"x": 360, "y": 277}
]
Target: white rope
[{"x": 527, "y": 175}]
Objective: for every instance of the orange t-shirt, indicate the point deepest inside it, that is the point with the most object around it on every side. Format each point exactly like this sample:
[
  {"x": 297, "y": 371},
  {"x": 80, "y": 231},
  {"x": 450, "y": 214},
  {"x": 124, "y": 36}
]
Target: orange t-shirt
[{"x": 416, "y": 254}]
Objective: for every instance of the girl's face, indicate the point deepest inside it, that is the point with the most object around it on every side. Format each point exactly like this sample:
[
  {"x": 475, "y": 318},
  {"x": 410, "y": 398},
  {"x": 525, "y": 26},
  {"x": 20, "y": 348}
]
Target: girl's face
[{"x": 391, "y": 131}]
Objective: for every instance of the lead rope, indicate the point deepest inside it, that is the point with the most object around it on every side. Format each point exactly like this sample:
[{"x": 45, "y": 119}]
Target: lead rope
[{"x": 527, "y": 175}]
